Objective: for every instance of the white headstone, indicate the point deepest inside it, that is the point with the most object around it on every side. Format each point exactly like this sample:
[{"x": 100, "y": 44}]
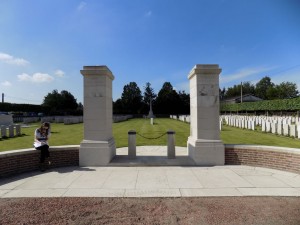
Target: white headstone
[
  {"x": 274, "y": 128},
  {"x": 263, "y": 126},
  {"x": 285, "y": 128},
  {"x": 292, "y": 130}
]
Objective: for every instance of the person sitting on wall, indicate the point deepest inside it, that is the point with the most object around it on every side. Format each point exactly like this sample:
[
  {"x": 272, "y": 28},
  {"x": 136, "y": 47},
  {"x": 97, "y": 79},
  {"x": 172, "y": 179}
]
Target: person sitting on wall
[{"x": 41, "y": 137}]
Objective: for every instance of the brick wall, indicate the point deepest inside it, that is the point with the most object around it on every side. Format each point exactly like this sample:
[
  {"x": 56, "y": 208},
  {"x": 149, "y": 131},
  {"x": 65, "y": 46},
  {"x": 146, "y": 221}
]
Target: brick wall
[
  {"x": 19, "y": 161},
  {"x": 285, "y": 159}
]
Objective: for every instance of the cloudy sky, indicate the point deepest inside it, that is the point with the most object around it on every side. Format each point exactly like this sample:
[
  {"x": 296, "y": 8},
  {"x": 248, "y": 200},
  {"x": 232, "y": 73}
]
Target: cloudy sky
[{"x": 44, "y": 44}]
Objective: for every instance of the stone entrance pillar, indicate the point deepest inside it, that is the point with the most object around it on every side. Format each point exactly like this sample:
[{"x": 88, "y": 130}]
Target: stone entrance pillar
[
  {"x": 204, "y": 144},
  {"x": 98, "y": 145}
]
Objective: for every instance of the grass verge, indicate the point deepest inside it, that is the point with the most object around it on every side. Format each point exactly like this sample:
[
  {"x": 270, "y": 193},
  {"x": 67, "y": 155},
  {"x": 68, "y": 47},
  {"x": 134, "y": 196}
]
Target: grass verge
[{"x": 147, "y": 134}]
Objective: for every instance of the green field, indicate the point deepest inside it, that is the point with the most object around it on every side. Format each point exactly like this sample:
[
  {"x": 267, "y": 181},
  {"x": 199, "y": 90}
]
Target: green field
[{"x": 147, "y": 134}]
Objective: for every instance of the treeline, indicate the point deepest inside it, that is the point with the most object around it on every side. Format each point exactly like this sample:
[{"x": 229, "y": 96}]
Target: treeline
[
  {"x": 54, "y": 103},
  {"x": 13, "y": 107},
  {"x": 133, "y": 101},
  {"x": 62, "y": 103},
  {"x": 264, "y": 89},
  {"x": 167, "y": 101}
]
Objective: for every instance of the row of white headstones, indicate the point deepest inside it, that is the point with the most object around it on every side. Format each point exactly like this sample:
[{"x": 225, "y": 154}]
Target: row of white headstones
[
  {"x": 187, "y": 119},
  {"x": 10, "y": 130},
  {"x": 54, "y": 119},
  {"x": 280, "y": 125},
  {"x": 70, "y": 119}
]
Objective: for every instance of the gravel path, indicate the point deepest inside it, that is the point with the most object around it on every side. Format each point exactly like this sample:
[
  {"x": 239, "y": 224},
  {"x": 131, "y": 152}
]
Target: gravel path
[{"x": 213, "y": 210}]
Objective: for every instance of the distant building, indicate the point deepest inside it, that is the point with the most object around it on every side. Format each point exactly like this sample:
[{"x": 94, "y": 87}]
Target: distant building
[{"x": 237, "y": 99}]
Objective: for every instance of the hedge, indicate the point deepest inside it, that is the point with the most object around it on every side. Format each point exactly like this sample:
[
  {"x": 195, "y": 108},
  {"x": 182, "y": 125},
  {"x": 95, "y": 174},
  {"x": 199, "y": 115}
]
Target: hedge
[{"x": 266, "y": 105}]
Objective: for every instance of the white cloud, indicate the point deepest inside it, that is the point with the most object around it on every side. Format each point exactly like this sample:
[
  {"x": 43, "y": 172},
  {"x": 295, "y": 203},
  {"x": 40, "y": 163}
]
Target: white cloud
[
  {"x": 59, "y": 73},
  {"x": 81, "y": 6},
  {"x": 6, "y": 58},
  {"x": 240, "y": 75},
  {"x": 36, "y": 78},
  {"x": 6, "y": 84}
]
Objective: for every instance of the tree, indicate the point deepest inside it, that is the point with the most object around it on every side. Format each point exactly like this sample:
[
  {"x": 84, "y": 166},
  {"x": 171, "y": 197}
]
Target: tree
[
  {"x": 167, "y": 100},
  {"x": 261, "y": 88},
  {"x": 184, "y": 107},
  {"x": 60, "y": 103},
  {"x": 233, "y": 91},
  {"x": 283, "y": 91},
  {"x": 118, "y": 107},
  {"x": 131, "y": 98},
  {"x": 68, "y": 100},
  {"x": 222, "y": 93},
  {"x": 246, "y": 88},
  {"x": 148, "y": 93}
]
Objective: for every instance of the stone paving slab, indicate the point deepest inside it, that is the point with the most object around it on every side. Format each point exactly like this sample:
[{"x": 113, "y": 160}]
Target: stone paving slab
[
  {"x": 124, "y": 180},
  {"x": 152, "y": 182}
]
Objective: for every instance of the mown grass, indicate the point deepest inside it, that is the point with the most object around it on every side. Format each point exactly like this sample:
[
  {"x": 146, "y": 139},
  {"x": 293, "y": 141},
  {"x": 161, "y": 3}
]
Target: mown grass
[{"x": 73, "y": 135}]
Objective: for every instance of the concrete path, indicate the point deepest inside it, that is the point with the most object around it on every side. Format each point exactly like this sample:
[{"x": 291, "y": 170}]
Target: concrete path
[{"x": 130, "y": 179}]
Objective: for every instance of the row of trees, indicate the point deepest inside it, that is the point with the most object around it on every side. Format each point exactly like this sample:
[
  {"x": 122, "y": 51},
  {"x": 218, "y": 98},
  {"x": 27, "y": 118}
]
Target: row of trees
[
  {"x": 54, "y": 103},
  {"x": 167, "y": 101},
  {"x": 132, "y": 101},
  {"x": 264, "y": 89},
  {"x": 61, "y": 103}
]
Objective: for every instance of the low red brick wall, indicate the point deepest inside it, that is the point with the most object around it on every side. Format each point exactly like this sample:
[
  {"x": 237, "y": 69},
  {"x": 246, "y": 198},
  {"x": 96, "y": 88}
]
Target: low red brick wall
[
  {"x": 287, "y": 159},
  {"x": 25, "y": 160}
]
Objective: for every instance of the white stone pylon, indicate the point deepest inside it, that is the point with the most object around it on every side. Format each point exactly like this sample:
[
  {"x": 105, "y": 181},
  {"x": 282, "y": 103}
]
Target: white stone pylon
[
  {"x": 98, "y": 146},
  {"x": 204, "y": 144}
]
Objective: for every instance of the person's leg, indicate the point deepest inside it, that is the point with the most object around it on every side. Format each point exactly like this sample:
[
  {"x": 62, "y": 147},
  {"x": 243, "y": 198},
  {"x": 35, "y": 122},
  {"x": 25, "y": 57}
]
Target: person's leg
[
  {"x": 43, "y": 153},
  {"x": 47, "y": 154}
]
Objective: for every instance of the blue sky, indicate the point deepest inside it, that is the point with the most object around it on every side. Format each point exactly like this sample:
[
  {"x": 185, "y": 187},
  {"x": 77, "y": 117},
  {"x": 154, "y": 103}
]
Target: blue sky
[{"x": 44, "y": 44}]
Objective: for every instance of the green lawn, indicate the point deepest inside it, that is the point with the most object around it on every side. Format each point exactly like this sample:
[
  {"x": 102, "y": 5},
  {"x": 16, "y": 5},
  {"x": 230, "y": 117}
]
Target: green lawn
[{"x": 73, "y": 135}]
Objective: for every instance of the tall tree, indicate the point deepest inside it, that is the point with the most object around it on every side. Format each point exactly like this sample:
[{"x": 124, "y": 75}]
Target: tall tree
[
  {"x": 167, "y": 100},
  {"x": 148, "y": 93},
  {"x": 184, "y": 104},
  {"x": 131, "y": 98},
  {"x": 118, "y": 107},
  {"x": 245, "y": 87},
  {"x": 63, "y": 102},
  {"x": 262, "y": 86},
  {"x": 283, "y": 91},
  {"x": 68, "y": 100}
]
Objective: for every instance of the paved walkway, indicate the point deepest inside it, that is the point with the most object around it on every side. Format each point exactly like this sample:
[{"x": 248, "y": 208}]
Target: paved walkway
[{"x": 156, "y": 178}]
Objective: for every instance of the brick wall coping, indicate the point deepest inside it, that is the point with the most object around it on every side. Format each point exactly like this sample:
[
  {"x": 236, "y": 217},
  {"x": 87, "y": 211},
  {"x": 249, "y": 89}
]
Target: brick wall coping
[
  {"x": 32, "y": 150},
  {"x": 264, "y": 148}
]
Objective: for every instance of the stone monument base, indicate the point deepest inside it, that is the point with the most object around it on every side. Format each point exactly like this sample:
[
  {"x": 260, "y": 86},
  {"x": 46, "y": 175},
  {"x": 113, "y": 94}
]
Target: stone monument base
[
  {"x": 206, "y": 152},
  {"x": 96, "y": 153}
]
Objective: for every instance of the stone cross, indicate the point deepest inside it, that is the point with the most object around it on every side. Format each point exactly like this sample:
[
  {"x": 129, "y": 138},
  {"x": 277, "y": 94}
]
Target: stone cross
[{"x": 150, "y": 115}]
